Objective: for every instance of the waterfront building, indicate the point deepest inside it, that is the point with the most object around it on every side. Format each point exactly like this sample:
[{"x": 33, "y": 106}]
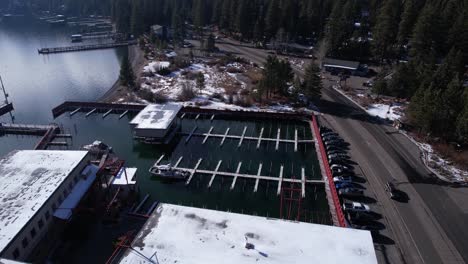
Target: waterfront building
[{"x": 39, "y": 189}]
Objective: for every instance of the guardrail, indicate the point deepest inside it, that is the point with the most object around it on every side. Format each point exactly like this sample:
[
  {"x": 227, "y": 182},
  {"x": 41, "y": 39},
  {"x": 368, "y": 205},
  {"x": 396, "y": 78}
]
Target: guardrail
[{"x": 334, "y": 194}]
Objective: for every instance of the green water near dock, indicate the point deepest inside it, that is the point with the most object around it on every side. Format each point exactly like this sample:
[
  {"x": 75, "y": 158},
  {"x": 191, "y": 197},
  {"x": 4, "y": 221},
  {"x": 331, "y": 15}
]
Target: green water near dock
[{"x": 265, "y": 202}]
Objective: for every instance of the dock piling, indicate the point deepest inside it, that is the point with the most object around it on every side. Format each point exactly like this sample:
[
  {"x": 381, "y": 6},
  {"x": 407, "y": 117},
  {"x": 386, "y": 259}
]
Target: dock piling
[
  {"x": 242, "y": 137},
  {"x": 236, "y": 175},
  {"x": 214, "y": 174},
  {"x": 194, "y": 170},
  {"x": 280, "y": 181},
  {"x": 107, "y": 113},
  {"x": 258, "y": 179},
  {"x": 278, "y": 139},
  {"x": 90, "y": 112},
  {"x": 75, "y": 111},
  {"x": 123, "y": 114},
  {"x": 207, "y": 135}
]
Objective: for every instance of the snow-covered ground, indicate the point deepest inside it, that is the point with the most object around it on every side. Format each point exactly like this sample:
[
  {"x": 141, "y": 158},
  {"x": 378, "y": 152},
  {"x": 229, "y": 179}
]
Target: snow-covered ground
[
  {"x": 384, "y": 111},
  {"x": 171, "y": 85},
  {"x": 179, "y": 234},
  {"x": 439, "y": 166}
]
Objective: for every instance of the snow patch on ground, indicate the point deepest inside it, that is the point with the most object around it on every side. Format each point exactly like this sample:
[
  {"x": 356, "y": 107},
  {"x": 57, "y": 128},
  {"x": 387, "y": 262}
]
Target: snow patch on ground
[
  {"x": 442, "y": 168},
  {"x": 384, "y": 111},
  {"x": 155, "y": 66}
]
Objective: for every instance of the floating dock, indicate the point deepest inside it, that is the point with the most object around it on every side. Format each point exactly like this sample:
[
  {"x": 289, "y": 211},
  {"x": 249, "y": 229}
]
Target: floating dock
[
  {"x": 235, "y": 175},
  {"x": 74, "y": 107},
  {"x": 6, "y": 108},
  {"x": 85, "y": 47}
]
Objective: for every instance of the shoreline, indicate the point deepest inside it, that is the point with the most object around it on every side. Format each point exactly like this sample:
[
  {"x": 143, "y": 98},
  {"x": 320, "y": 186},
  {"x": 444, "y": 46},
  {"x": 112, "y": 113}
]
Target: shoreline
[{"x": 137, "y": 59}]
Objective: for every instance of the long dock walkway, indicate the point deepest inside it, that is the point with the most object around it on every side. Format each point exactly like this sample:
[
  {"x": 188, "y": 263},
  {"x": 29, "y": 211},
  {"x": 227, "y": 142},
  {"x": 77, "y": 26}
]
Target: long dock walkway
[
  {"x": 6, "y": 108},
  {"x": 74, "y": 107},
  {"x": 235, "y": 175},
  {"x": 85, "y": 47},
  {"x": 23, "y": 129}
]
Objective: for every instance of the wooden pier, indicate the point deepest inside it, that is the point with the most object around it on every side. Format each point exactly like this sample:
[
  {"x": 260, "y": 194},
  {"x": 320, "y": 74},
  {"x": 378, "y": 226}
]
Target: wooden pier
[
  {"x": 6, "y": 108},
  {"x": 235, "y": 175},
  {"x": 85, "y": 47},
  {"x": 92, "y": 107},
  {"x": 243, "y": 137},
  {"x": 48, "y": 133}
]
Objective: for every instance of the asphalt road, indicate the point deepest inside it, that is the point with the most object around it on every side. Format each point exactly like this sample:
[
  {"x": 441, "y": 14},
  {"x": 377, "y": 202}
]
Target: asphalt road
[{"x": 432, "y": 227}]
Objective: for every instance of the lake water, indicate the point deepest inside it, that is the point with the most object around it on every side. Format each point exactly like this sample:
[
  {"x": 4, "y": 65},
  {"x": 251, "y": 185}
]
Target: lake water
[{"x": 37, "y": 83}]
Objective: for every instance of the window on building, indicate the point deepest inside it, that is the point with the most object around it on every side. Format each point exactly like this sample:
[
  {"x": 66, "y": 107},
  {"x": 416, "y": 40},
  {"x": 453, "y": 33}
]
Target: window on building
[
  {"x": 24, "y": 242},
  {"x": 70, "y": 186},
  {"x": 54, "y": 206},
  {"x": 40, "y": 223},
  {"x": 16, "y": 253},
  {"x": 75, "y": 179},
  {"x": 60, "y": 199},
  {"x": 33, "y": 232},
  {"x": 47, "y": 215}
]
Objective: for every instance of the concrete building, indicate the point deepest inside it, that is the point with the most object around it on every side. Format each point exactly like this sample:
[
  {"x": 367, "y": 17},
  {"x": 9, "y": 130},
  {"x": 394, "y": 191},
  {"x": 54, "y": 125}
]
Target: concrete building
[
  {"x": 156, "y": 123},
  {"x": 35, "y": 186},
  {"x": 180, "y": 234}
]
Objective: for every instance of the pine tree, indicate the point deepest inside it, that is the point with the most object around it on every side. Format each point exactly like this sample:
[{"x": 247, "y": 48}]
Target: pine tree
[
  {"x": 127, "y": 78},
  {"x": 423, "y": 41},
  {"x": 312, "y": 86},
  {"x": 386, "y": 29},
  {"x": 200, "y": 79},
  {"x": 408, "y": 18},
  {"x": 272, "y": 17},
  {"x": 137, "y": 18}
]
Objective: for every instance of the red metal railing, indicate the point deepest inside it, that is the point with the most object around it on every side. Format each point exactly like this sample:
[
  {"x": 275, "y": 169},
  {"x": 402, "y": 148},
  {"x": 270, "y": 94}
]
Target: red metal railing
[{"x": 334, "y": 194}]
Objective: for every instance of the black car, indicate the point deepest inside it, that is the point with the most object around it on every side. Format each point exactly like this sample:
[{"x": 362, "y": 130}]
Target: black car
[{"x": 396, "y": 194}]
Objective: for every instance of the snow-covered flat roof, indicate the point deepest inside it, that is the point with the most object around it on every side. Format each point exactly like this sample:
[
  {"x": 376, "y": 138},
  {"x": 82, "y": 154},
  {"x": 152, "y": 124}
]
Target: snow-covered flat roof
[
  {"x": 28, "y": 178},
  {"x": 156, "y": 116},
  {"x": 65, "y": 210},
  {"x": 120, "y": 178},
  {"x": 179, "y": 234}
]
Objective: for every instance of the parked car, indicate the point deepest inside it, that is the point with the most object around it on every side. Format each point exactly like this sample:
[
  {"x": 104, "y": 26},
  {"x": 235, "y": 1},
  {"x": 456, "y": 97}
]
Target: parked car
[
  {"x": 336, "y": 151},
  {"x": 331, "y": 137},
  {"x": 338, "y": 155},
  {"x": 334, "y": 143},
  {"x": 329, "y": 134},
  {"x": 324, "y": 129},
  {"x": 341, "y": 167},
  {"x": 334, "y": 147},
  {"x": 343, "y": 179},
  {"x": 338, "y": 161},
  {"x": 350, "y": 192},
  {"x": 341, "y": 185},
  {"x": 355, "y": 207}
]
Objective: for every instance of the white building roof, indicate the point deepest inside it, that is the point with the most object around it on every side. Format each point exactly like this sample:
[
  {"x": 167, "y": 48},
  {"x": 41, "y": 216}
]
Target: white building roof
[
  {"x": 65, "y": 210},
  {"x": 156, "y": 116},
  {"x": 120, "y": 178},
  {"x": 179, "y": 234},
  {"x": 28, "y": 178}
]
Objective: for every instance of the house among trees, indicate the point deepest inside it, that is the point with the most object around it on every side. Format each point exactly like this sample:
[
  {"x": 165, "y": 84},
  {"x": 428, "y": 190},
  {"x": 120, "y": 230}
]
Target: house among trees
[
  {"x": 335, "y": 66},
  {"x": 160, "y": 32}
]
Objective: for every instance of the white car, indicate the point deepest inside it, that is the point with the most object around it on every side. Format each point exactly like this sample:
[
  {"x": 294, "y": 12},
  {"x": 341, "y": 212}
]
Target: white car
[
  {"x": 355, "y": 207},
  {"x": 343, "y": 179}
]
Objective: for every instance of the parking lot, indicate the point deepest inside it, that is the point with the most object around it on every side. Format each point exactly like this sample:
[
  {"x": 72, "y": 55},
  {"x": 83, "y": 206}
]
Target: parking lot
[{"x": 358, "y": 198}]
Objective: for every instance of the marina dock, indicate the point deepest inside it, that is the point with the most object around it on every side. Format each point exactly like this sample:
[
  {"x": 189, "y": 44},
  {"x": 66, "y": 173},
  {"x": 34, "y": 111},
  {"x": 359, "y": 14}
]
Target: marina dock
[
  {"x": 92, "y": 107},
  {"x": 6, "y": 108},
  {"x": 235, "y": 175},
  {"x": 85, "y": 47}
]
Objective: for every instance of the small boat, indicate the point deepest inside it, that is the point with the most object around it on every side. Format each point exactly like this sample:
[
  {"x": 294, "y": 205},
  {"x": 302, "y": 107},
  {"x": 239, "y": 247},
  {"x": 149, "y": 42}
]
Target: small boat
[
  {"x": 97, "y": 147},
  {"x": 168, "y": 172}
]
